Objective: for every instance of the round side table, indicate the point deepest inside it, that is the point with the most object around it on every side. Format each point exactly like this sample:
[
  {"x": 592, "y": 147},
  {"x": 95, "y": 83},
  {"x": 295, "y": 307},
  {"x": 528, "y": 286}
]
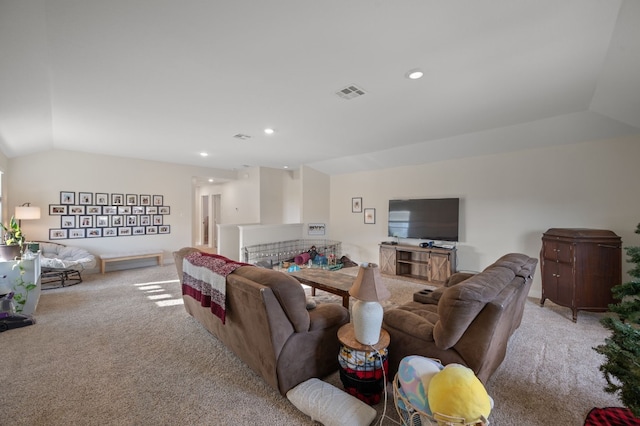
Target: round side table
[{"x": 363, "y": 368}]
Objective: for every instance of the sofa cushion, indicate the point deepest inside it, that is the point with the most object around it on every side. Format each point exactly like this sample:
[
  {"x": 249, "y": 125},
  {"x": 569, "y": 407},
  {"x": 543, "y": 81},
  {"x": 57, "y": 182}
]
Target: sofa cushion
[{"x": 460, "y": 304}]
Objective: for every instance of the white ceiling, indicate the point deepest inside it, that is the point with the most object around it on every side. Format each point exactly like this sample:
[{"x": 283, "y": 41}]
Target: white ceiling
[{"x": 167, "y": 79}]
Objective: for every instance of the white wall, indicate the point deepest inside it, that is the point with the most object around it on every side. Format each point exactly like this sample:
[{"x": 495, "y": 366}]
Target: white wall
[
  {"x": 507, "y": 200},
  {"x": 39, "y": 178},
  {"x": 316, "y": 199}
]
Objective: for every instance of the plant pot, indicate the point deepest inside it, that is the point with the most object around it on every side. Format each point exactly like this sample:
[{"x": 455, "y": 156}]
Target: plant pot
[{"x": 9, "y": 252}]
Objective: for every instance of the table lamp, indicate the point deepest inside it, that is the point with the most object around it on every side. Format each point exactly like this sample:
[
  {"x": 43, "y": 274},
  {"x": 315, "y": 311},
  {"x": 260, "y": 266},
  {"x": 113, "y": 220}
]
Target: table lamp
[{"x": 367, "y": 312}]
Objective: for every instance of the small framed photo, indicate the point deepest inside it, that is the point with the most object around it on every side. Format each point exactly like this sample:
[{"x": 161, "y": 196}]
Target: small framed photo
[
  {"x": 85, "y": 198},
  {"x": 124, "y": 231},
  {"x": 157, "y": 200},
  {"x": 152, "y": 230},
  {"x": 102, "y": 221},
  {"x": 124, "y": 209},
  {"x": 110, "y": 210},
  {"x": 67, "y": 197},
  {"x": 117, "y": 220},
  {"x": 157, "y": 219},
  {"x": 369, "y": 216},
  {"x": 57, "y": 209},
  {"x": 137, "y": 210},
  {"x": 93, "y": 210},
  {"x": 145, "y": 220},
  {"x": 164, "y": 210},
  {"x": 132, "y": 199},
  {"x": 356, "y": 205},
  {"x": 152, "y": 210},
  {"x": 132, "y": 220},
  {"x": 94, "y": 232},
  {"x": 316, "y": 229},
  {"x": 102, "y": 199},
  {"x": 110, "y": 232},
  {"x": 58, "y": 234},
  {"x": 76, "y": 210},
  {"x": 117, "y": 199},
  {"x": 85, "y": 221},
  {"x": 145, "y": 200},
  {"x": 138, "y": 230},
  {"x": 164, "y": 229},
  {"x": 68, "y": 222},
  {"x": 77, "y": 233}
]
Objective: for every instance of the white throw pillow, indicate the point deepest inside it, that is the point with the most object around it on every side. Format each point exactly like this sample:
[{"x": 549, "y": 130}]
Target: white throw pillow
[{"x": 329, "y": 405}]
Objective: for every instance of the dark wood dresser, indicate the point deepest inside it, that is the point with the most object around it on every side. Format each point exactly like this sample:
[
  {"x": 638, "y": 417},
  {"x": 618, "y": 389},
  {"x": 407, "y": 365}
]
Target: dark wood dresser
[{"x": 578, "y": 268}]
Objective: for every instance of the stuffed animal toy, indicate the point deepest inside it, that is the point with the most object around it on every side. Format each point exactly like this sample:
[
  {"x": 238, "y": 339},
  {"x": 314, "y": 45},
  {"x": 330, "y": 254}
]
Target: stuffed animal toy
[{"x": 457, "y": 392}]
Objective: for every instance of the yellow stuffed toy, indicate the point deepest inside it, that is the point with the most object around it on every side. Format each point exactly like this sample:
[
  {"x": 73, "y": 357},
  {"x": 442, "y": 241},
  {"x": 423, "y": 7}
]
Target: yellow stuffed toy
[{"x": 457, "y": 392}]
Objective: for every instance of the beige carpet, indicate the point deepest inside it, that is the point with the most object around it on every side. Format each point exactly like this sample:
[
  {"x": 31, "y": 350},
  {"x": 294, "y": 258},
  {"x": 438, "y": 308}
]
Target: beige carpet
[{"x": 119, "y": 349}]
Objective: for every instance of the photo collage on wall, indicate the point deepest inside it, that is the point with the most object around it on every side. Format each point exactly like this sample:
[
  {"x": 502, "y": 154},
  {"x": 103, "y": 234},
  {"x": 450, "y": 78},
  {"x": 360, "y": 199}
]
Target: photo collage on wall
[{"x": 97, "y": 215}]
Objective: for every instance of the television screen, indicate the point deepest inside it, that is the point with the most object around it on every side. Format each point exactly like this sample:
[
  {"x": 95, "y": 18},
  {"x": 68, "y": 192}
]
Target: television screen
[{"x": 426, "y": 219}]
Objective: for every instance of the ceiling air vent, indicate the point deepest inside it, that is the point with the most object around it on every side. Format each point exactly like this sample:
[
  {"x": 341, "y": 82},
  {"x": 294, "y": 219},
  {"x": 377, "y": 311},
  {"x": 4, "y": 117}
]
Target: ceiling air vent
[
  {"x": 242, "y": 136},
  {"x": 350, "y": 92}
]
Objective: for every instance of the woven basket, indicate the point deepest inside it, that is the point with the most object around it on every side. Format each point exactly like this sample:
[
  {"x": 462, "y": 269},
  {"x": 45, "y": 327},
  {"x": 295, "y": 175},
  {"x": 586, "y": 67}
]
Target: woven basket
[{"x": 411, "y": 416}]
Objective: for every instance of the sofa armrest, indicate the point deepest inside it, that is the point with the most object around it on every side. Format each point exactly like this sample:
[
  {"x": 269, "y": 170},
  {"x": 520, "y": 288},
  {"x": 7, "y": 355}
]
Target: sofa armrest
[
  {"x": 421, "y": 322},
  {"x": 327, "y": 315}
]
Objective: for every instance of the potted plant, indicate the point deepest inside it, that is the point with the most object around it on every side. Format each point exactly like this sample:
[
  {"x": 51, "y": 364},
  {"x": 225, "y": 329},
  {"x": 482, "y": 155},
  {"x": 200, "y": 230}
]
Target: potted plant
[{"x": 13, "y": 240}]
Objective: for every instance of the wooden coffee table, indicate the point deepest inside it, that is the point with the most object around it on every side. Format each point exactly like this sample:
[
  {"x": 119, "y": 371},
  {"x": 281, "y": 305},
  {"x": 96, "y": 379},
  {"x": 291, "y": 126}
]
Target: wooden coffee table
[{"x": 324, "y": 279}]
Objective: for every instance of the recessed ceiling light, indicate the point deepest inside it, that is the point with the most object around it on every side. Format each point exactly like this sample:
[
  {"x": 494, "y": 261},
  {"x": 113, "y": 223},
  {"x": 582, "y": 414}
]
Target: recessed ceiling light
[
  {"x": 286, "y": 167},
  {"x": 203, "y": 154},
  {"x": 414, "y": 74},
  {"x": 210, "y": 180},
  {"x": 269, "y": 131}
]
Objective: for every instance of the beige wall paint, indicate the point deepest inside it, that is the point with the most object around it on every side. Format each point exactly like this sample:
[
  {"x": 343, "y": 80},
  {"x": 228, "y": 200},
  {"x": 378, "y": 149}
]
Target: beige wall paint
[
  {"x": 507, "y": 200},
  {"x": 39, "y": 178}
]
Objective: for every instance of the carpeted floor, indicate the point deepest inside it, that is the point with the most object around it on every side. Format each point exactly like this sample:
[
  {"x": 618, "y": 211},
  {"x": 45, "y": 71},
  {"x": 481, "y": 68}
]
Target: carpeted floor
[{"x": 119, "y": 349}]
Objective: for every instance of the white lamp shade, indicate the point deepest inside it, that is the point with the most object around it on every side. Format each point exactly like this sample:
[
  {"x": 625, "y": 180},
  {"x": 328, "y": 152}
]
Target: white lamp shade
[{"x": 27, "y": 212}]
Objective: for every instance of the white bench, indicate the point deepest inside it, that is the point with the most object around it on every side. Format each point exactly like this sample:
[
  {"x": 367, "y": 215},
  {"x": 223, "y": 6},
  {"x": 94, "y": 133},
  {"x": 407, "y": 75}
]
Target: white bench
[{"x": 131, "y": 255}]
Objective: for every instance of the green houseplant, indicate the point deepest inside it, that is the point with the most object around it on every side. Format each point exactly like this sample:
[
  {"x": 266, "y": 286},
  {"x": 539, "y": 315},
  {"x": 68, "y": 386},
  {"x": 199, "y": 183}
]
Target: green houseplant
[
  {"x": 13, "y": 240},
  {"x": 622, "y": 349}
]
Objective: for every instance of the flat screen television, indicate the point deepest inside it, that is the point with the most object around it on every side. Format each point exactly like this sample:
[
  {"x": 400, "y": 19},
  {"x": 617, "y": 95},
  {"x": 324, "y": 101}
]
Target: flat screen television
[{"x": 425, "y": 219}]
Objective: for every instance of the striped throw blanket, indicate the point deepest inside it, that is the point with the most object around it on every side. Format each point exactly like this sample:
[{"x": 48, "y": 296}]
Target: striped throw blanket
[{"x": 205, "y": 279}]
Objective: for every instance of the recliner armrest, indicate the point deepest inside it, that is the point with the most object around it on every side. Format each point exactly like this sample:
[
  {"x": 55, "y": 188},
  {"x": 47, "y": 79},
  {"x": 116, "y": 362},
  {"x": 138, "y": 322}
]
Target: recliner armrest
[
  {"x": 327, "y": 315},
  {"x": 420, "y": 327}
]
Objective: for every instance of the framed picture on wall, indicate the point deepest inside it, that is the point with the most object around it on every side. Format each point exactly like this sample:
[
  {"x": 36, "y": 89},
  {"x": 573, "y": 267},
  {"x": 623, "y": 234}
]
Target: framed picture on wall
[
  {"x": 67, "y": 197},
  {"x": 110, "y": 232},
  {"x": 132, "y": 199},
  {"x": 356, "y": 205},
  {"x": 102, "y": 199},
  {"x": 145, "y": 200},
  {"x": 68, "y": 222},
  {"x": 316, "y": 229},
  {"x": 117, "y": 199},
  {"x": 94, "y": 210},
  {"x": 57, "y": 209},
  {"x": 76, "y": 209},
  {"x": 102, "y": 221},
  {"x": 164, "y": 210},
  {"x": 369, "y": 216},
  {"x": 94, "y": 232},
  {"x": 164, "y": 229},
  {"x": 152, "y": 230},
  {"x": 85, "y": 198},
  {"x": 157, "y": 200},
  {"x": 77, "y": 233},
  {"x": 124, "y": 231},
  {"x": 57, "y": 234},
  {"x": 138, "y": 230},
  {"x": 85, "y": 221}
]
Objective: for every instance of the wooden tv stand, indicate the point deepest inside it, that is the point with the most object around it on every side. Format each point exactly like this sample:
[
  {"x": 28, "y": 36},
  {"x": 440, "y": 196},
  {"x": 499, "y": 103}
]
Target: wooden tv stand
[{"x": 433, "y": 265}]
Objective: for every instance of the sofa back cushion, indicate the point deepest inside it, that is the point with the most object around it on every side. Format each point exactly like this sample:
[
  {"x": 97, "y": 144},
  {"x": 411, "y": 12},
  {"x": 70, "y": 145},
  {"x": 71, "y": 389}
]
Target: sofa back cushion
[{"x": 287, "y": 290}]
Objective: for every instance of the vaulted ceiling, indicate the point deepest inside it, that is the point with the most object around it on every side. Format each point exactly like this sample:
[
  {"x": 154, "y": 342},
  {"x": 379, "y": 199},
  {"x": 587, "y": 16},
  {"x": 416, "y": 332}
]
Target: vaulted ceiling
[{"x": 166, "y": 79}]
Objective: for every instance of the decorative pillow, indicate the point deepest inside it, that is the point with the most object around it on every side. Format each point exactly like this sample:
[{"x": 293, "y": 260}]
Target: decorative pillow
[{"x": 329, "y": 405}]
